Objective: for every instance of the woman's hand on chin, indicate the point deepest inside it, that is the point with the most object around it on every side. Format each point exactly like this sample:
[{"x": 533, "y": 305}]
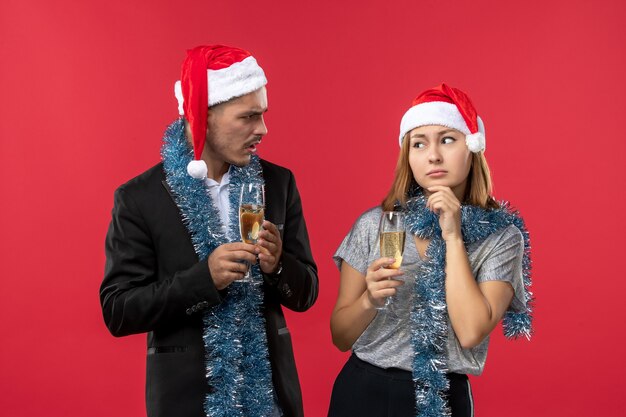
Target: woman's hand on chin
[{"x": 443, "y": 202}]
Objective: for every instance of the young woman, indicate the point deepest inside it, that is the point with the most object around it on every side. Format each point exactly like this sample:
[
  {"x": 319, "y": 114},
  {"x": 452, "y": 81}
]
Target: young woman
[{"x": 465, "y": 267}]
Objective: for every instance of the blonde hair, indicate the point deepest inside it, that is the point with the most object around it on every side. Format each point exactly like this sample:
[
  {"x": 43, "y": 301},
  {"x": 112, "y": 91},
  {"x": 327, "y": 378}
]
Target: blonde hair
[{"x": 477, "y": 192}]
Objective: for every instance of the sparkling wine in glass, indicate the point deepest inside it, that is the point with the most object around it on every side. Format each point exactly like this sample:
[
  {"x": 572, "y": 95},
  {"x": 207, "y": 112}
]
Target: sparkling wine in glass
[
  {"x": 251, "y": 216},
  {"x": 392, "y": 236}
]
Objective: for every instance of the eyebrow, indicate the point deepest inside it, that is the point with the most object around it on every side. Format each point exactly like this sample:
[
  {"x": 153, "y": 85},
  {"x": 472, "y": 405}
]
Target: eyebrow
[
  {"x": 253, "y": 112},
  {"x": 421, "y": 135}
]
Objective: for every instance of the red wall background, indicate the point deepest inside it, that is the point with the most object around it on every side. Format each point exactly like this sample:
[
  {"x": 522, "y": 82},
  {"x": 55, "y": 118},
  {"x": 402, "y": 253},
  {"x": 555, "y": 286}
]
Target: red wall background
[{"x": 86, "y": 90}]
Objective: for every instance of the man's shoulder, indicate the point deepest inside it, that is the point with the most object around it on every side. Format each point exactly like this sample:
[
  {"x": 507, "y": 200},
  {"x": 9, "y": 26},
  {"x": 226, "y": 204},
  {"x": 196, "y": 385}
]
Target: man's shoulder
[
  {"x": 272, "y": 171},
  {"x": 145, "y": 181}
]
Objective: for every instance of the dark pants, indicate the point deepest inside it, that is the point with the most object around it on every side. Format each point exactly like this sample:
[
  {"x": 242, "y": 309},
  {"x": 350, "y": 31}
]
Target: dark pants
[{"x": 365, "y": 390}]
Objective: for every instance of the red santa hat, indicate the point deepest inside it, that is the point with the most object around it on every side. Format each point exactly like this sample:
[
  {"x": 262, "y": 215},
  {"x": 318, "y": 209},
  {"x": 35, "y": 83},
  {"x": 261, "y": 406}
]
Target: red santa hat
[
  {"x": 211, "y": 75},
  {"x": 446, "y": 106}
]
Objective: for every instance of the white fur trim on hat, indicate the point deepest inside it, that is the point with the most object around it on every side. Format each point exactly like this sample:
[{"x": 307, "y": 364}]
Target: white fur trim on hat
[
  {"x": 237, "y": 80},
  {"x": 432, "y": 113},
  {"x": 442, "y": 114},
  {"x": 197, "y": 169}
]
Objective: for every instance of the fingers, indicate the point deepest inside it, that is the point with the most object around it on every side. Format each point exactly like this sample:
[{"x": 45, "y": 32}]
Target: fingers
[
  {"x": 436, "y": 188},
  {"x": 224, "y": 272},
  {"x": 269, "y": 247},
  {"x": 268, "y": 263},
  {"x": 237, "y": 251},
  {"x": 442, "y": 199},
  {"x": 386, "y": 286},
  {"x": 380, "y": 263},
  {"x": 269, "y": 238},
  {"x": 377, "y": 270},
  {"x": 269, "y": 231},
  {"x": 378, "y": 291},
  {"x": 239, "y": 255},
  {"x": 237, "y": 246},
  {"x": 443, "y": 202},
  {"x": 227, "y": 262},
  {"x": 234, "y": 270},
  {"x": 382, "y": 282}
]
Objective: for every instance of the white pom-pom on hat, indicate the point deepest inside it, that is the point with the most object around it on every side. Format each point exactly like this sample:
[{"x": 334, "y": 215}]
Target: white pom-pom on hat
[
  {"x": 197, "y": 169},
  {"x": 475, "y": 142}
]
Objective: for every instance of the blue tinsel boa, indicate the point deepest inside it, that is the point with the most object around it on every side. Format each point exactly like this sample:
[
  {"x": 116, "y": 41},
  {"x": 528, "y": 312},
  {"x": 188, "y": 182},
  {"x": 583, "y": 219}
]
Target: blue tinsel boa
[
  {"x": 237, "y": 359},
  {"x": 429, "y": 315}
]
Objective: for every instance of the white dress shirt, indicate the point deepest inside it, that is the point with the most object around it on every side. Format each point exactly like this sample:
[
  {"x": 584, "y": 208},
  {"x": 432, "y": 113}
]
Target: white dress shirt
[{"x": 220, "y": 196}]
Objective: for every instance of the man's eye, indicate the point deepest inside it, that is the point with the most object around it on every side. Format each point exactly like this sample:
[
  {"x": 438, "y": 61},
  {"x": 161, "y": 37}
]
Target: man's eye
[{"x": 448, "y": 139}]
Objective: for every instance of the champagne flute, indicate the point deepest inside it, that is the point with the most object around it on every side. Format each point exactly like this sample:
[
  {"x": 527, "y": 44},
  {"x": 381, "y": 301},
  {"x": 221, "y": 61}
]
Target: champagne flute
[
  {"x": 251, "y": 216},
  {"x": 392, "y": 236}
]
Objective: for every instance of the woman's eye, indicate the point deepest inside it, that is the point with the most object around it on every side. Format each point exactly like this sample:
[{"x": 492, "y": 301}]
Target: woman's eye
[
  {"x": 448, "y": 139},
  {"x": 418, "y": 145}
]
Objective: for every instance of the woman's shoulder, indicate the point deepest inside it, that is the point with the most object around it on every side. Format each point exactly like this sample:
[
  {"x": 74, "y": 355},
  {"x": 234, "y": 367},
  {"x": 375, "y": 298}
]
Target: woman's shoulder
[
  {"x": 509, "y": 232},
  {"x": 358, "y": 242},
  {"x": 371, "y": 213},
  {"x": 366, "y": 222},
  {"x": 368, "y": 217},
  {"x": 508, "y": 236}
]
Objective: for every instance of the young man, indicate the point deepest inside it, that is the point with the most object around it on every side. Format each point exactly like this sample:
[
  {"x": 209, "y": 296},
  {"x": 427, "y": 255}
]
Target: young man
[{"x": 216, "y": 346}]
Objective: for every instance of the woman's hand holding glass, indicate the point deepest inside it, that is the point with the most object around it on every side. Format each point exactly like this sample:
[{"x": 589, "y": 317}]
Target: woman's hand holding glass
[
  {"x": 382, "y": 282},
  {"x": 391, "y": 236}
]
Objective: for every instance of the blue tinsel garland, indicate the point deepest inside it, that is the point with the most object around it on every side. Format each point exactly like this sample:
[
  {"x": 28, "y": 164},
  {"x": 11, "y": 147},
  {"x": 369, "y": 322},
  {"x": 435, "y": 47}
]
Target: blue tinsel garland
[
  {"x": 237, "y": 359},
  {"x": 429, "y": 315}
]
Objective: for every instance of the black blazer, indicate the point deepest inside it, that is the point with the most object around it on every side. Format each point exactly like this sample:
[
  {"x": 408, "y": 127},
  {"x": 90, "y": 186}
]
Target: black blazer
[{"x": 155, "y": 283}]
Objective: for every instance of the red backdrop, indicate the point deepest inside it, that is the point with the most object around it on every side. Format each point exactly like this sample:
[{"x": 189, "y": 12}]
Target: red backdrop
[{"x": 87, "y": 89}]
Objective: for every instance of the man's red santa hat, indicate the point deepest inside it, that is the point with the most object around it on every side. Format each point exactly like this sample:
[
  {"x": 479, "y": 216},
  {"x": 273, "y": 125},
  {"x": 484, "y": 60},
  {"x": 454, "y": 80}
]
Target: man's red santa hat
[
  {"x": 211, "y": 75},
  {"x": 446, "y": 106}
]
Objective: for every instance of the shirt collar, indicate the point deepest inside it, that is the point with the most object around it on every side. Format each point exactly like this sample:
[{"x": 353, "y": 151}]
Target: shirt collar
[{"x": 210, "y": 182}]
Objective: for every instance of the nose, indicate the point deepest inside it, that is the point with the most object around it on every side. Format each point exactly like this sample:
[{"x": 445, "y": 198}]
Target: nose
[
  {"x": 434, "y": 155},
  {"x": 261, "y": 128}
]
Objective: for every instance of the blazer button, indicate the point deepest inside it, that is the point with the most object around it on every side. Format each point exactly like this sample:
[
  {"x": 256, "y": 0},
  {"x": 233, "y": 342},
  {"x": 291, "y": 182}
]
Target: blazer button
[{"x": 286, "y": 290}]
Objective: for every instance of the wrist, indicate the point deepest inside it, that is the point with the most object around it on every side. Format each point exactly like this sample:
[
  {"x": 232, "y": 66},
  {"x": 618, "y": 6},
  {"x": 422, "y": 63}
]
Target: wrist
[
  {"x": 273, "y": 277},
  {"x": 366, "y": 302},
  {"x": 278, "y": 269},
  {"x": 453, "y": 239}
]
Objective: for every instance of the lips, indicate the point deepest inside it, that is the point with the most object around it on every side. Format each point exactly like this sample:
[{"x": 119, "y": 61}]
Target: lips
[
  {"x": 437, "y": 173},
  {"x": 252, "y": 146}
]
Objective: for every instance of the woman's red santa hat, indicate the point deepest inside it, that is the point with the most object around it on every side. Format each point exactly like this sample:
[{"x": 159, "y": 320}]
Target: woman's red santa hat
[
  {"x": 211, "y": 75},
  {"x": 446, "y": 106}
]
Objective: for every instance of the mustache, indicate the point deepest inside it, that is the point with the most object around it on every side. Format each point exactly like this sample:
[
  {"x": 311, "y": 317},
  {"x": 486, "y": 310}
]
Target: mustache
[{"x": 257, "y": 139}]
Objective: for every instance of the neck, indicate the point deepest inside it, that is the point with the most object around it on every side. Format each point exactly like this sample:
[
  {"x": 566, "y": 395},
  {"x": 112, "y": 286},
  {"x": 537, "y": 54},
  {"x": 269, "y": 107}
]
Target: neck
[{"x": 216, "y": 170}]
